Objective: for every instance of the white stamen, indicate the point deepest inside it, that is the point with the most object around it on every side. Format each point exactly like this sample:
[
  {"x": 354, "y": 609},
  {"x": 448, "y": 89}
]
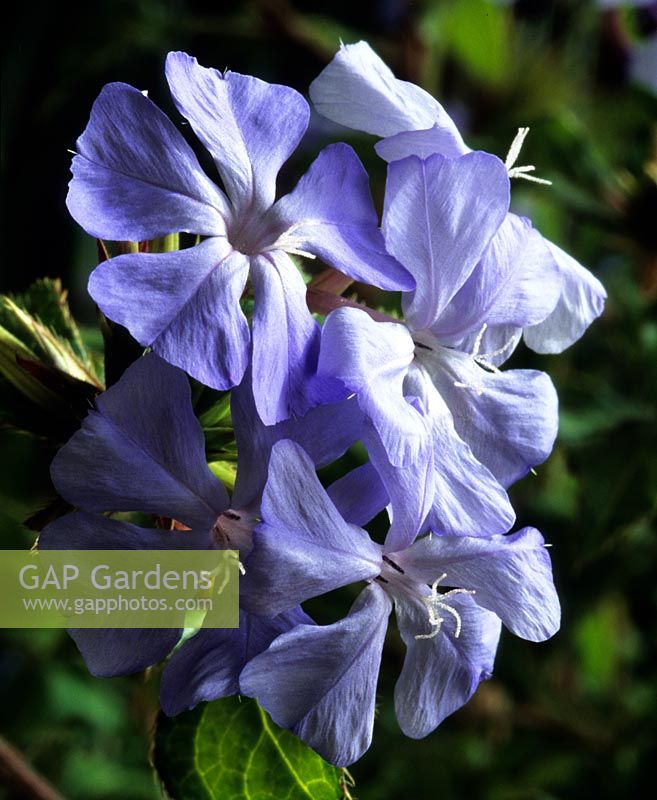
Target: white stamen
[
  {"x": 240, "y": 566},
  {"x": 516, "y": 147},
  {"x": 483, "y": 359},
  {"x": 512, "y": 157},
  {"x": 477, "y": 341},
  {"x": 436, "y": 601}
]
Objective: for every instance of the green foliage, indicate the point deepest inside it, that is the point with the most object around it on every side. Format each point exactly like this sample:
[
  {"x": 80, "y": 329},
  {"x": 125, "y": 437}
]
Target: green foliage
[
  {"x": 48, "y": 377},
  {"x": 231, "y": 750}
]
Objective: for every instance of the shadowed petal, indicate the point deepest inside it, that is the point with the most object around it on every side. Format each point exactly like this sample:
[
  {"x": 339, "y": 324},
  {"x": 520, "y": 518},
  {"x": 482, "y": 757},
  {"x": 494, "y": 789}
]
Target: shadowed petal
[
  {"x": 185, "y": 304},
  {"x": 359, "y": 495},
  {"x": 208, "y": 665},
  {"x": 511, "y": 576},
  {"x": 136, "y": 178},
  {"x": 582, "y": 300},
  {"x": 358, "y": 90},
  {"x": 441, "y": 674},
  {"x": 439, "y": 216},
  {"x": 302, "y": 548},
  {"x": 340, "y": 424},
  {"x": 320, "y": 681},
  {"x": 285, "y": 339},
  {"x": 250, "y": 127},
  {"x": 118, "y": 651},
  {"x": 330, "y": 214},
  {"x": 142, "y": 450}
]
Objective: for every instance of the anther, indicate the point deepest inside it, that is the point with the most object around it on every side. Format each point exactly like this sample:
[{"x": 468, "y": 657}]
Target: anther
[
  {"x": 393, "y": 565},
  {"x": 512, "y": 157},
  {"x": 436, "y": 601}
]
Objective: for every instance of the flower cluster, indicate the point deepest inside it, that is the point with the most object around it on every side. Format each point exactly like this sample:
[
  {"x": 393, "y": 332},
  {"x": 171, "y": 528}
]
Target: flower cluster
[{"x": 445, "y": 429}]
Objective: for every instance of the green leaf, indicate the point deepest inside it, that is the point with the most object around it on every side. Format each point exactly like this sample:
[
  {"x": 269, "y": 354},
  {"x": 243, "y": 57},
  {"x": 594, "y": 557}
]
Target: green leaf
[{"x": 231, "y": 750}]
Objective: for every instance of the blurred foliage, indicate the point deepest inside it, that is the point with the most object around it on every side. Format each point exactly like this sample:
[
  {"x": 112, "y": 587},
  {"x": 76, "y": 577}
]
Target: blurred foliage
[{"x": 572, "y": 718}]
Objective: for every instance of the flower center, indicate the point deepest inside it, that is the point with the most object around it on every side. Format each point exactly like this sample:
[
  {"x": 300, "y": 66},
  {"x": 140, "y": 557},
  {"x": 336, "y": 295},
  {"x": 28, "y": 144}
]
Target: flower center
[
  {"x": 397, "y": 581},
  {"x": 233, "y": 530},
  {"x": 435, "y": 603}
]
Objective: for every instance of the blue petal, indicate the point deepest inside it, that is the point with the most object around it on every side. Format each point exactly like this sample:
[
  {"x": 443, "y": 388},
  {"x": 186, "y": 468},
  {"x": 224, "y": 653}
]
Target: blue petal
[
  {"x": 358, "y": 90},
  {"x": 440, "y": 138},
  {"x": 303, "y": 547},
  {"x": 508, "y": 419},
  {"x": 142, "y": 450},
  {"x": 208, "y": 665},
  {"x": 285, "y": 339},
  {"x": 340, "y": 423},
  {"x": 185, "y": 304},
  {"x": 359, "y": 495},
  {"x": 517, "y": 282},
  {"x": 250, "y": 127},
  {"x": 411, "y": 489},
  {"x": 136, "y": 178},
  {"x": 320, "y": 681},
  {"x": 372, "y": 358},
  {"x": 439, "y": 216},
  {"x": 118, "y": 651},
  {"x": 441, "y": 674},
  {"x": 467, "y": 498},
  {"x": 330, "y": 214},
  {"x": 511, "y": 576},
  {"x": 582, "y": 300}
]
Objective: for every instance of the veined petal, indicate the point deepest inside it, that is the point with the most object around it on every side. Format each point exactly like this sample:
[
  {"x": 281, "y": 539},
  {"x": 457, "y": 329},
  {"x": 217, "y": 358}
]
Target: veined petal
[
  {"x": 340, "y": 423},
  {"x": 582, "y": 300},
  {"x": 439, "y": 216},
  {"x": 302, "y": 548},
  {"x": 517, "y": 282},
  {"x": 330, "y": 214},
  {"x": 184, "y": 304},
  {"x": 208, "y": 665},
  {"x": 508, "y": 419},
  {"x": 510, "y": 575},
  {"x": 358, "y": 90},
  {"x": 285, "y": 339},
  {"x": 467, "y": 498},
  {"x": 136, "y": 178},
  {"x": 142, "y": 450},
  {"x": 320, "y": 681},
  {"x": 372, "y": 358},
  {"x": 422, "y": 143},
  {"x": 442, "y": 673},
  {"x": 250, "y": 127}
]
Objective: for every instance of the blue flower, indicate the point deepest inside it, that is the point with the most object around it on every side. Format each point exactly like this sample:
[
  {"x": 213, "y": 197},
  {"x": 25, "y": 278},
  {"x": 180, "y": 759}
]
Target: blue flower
[
  {"x": 448, "y": 431},
  {"x": 142, "y": 449},
  {"x": 320, "y": 681},
  {"x": 135, "y": 178},
  {"x": 359, "y": 91}
]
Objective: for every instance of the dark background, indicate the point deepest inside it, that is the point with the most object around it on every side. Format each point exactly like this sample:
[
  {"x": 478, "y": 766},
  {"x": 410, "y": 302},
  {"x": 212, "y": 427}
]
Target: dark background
[{"x": 572, "y": 718}]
